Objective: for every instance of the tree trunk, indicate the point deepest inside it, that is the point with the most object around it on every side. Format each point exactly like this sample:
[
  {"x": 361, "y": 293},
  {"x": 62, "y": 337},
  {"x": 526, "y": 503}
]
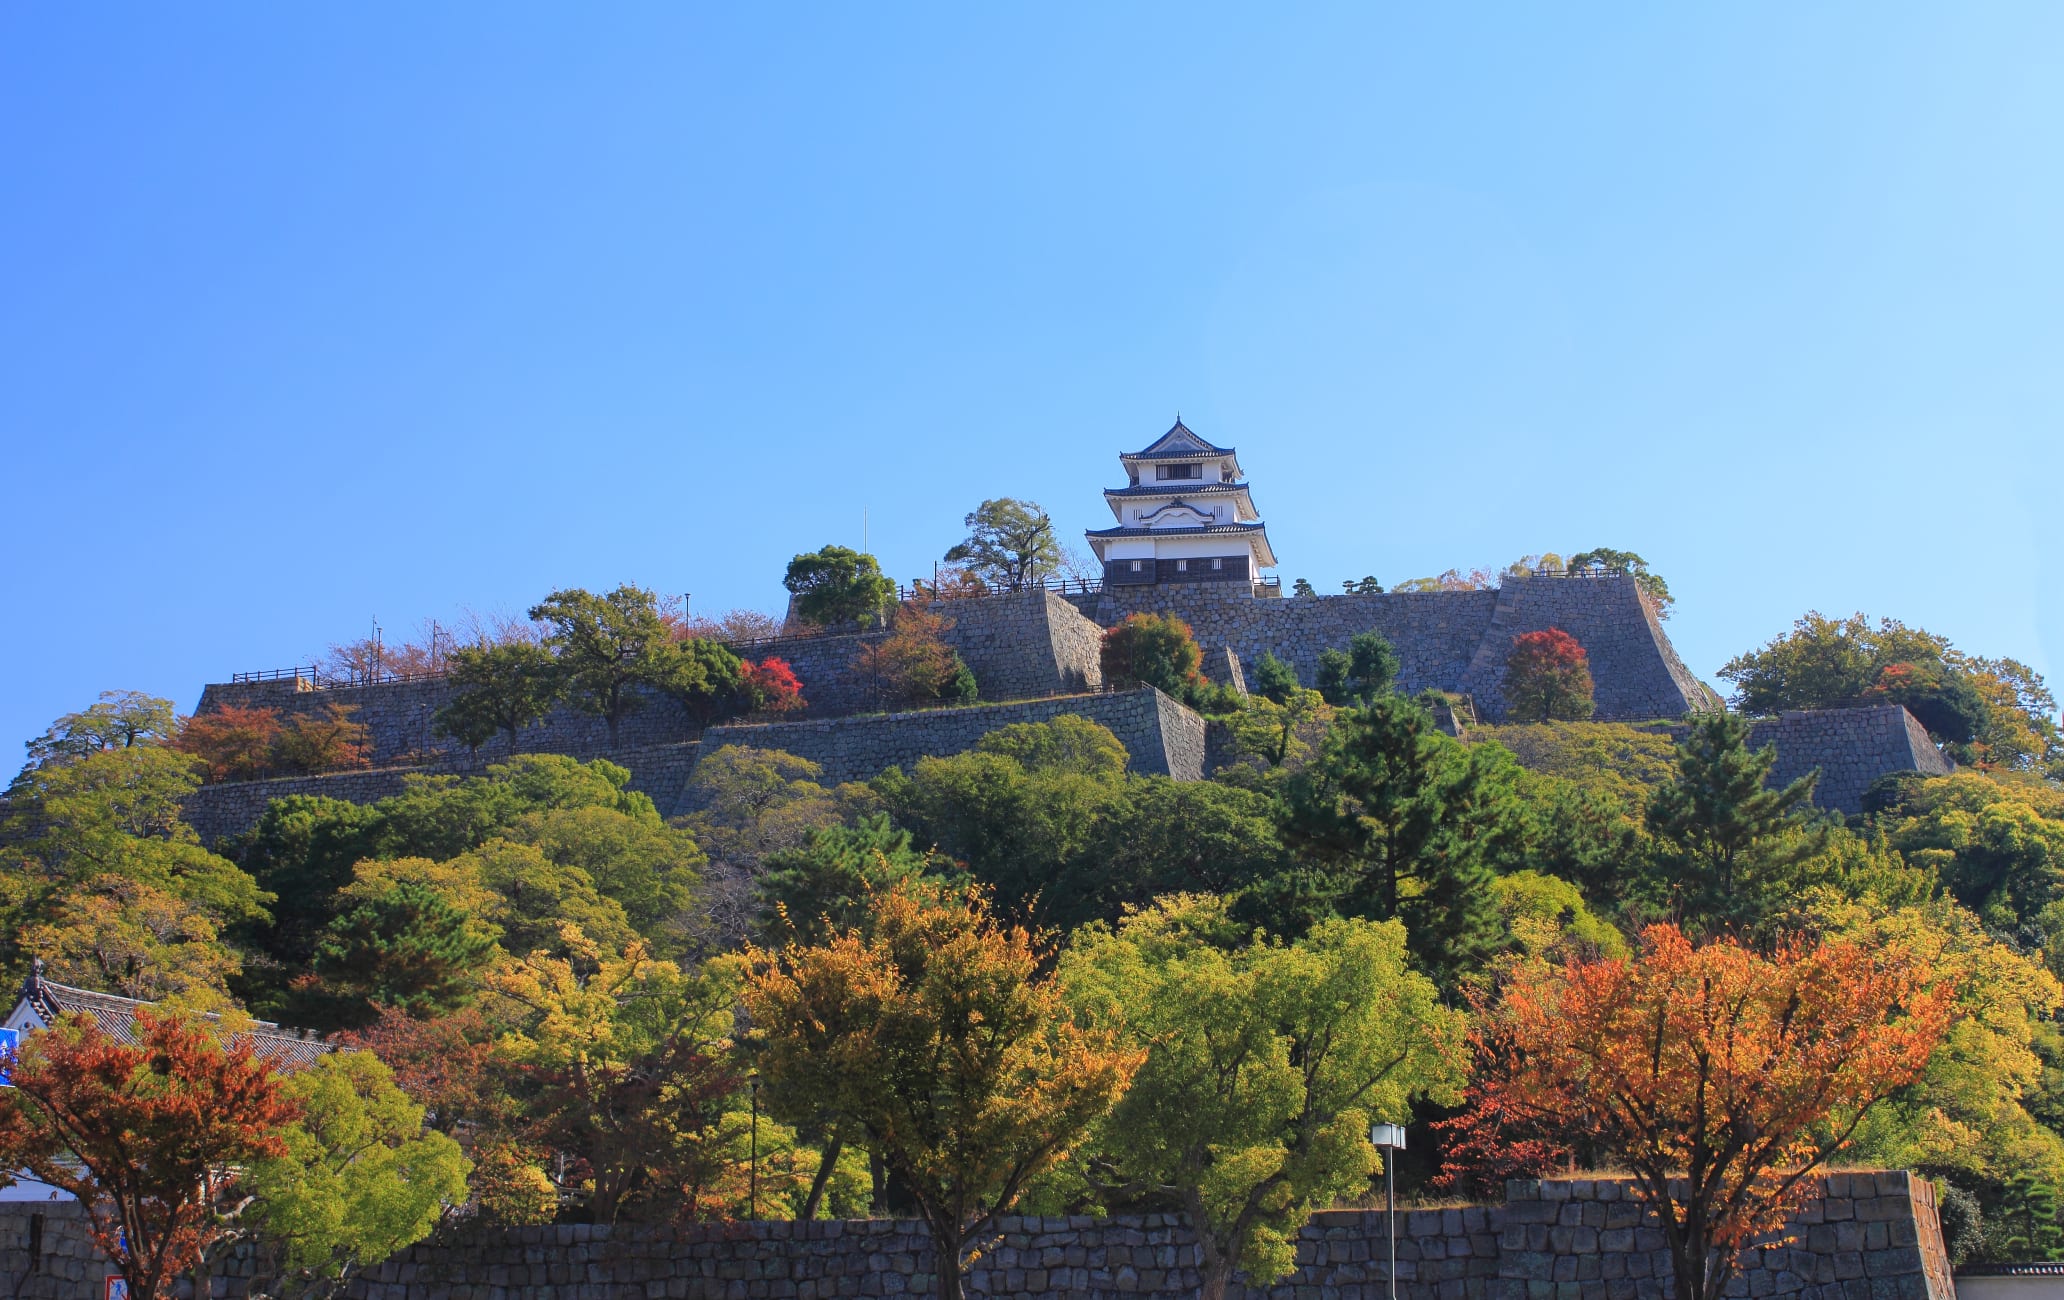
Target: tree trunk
[
  {"x": 946, "y": 1262},
  {"x": 1216, "y": 1267},
  {"x": 825, "y": 1162}
]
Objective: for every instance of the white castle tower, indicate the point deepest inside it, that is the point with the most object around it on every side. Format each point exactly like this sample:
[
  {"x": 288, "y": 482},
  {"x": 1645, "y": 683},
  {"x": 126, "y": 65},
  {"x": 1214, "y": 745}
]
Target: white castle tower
[{"x": 1184, "y": 516}]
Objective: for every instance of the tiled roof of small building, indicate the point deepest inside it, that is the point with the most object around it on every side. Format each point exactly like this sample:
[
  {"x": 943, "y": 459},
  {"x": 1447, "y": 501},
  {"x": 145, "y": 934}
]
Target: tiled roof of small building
[
  {"x": 1177, "y": 443},
  {"x": 286, "y": 1049}
]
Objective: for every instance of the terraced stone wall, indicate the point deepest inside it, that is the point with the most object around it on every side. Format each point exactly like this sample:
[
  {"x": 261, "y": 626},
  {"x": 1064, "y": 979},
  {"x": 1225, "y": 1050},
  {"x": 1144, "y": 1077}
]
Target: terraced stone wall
[
  {"x": 1163, "y": 737},
  {"x": 219, "y": 811},
  {"x": 1446, "y": 640}
]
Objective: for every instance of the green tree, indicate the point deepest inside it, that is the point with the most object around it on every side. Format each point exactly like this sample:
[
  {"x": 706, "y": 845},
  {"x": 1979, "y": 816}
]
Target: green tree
[
  {"x": 826, "y": 883},
  {"x": 2026, "y": 1227},
  {"x": 629, "y": 1070},
  {"x": 75, "y": 831},
  {"x": 407, "y": 948},
  {"x": 360, "y": 1179},
  {"x": 606, "y": 646},
  {"x": 1606, "y": 559},
  {"x": 1366, "y": 669},
  {"x": 315, "y": 853},
  {"x": 1280, "y": 733},
  {"x": 1726, "y": 845},
  {"x": 1998, "y": 847},
  {"x": 1264, "y": 1067},
  {"x": 1010, "y": 543},
  {"x": 1273, "y": 679},
  {"x": 836, "y": 585},
  {"x": 650, "y": 869},
  {"x": 1152, "y": 650},
  {"x": 1068, "y": 743},
  {"x": 752, "y": 802},
  {"x": 1015, "y": 830},
  {"x": 1302, "y": 587},
  {"x": 702, "y": 676},
  {"x": 1824, "y": 662},
  {"x": 503, "y": 687},
  {"x": 1407, "y": 820},
  {"x": 118, "y": 720}
]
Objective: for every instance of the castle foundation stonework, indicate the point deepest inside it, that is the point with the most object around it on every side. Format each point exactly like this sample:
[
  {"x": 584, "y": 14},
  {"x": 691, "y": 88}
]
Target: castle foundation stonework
[{"x": 1866, "y": 1236}]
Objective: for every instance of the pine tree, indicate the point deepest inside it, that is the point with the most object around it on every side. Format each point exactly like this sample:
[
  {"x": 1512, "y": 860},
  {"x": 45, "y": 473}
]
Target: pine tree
[
  {"x": 1408, "y": 821},
  {"x": 1724, "y": 839}
]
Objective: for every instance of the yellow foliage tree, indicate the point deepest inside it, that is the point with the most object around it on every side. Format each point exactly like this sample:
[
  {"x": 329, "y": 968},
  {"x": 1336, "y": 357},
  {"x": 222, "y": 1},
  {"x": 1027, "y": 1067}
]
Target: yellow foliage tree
[{"x": 932, "y": 1031}]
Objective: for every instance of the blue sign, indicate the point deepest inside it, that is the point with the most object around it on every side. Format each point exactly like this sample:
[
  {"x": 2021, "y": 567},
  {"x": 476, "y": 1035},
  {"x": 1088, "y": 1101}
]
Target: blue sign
[{"x": 9, "y": 1040}]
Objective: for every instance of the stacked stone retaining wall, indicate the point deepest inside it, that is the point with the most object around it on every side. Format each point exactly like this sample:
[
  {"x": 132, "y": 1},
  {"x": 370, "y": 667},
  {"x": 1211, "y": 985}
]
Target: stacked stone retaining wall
[
  {"x": 1851, "y": 748},
  {"x": 400, "y": 717},
  {"x": 1162, "y": 737},
  {"x": 1867, "y": 1236},
  {"x": 232, "y": 807},
  {"x": 1445, "y": 640}
]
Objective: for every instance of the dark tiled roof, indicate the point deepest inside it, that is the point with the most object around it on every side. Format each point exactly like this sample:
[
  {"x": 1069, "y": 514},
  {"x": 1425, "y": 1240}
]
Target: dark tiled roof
[
  {"x": 2011, "y": 1270},
  {"x": 1174, "y": 488},
  {"x": 286, "y": 1049},
  {"x": 1177, "y": 444},
  {"x": 1129, "y": 531}
]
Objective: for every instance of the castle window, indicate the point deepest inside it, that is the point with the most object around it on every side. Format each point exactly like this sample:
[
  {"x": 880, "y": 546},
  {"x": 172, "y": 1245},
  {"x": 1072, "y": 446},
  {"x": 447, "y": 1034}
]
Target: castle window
[
  {"x": 1179, "y": 471},
  {"x": 1135, "y": 566},
  {"x": 1182, "y": 566},
  {"x": 1217, "y": 564}
]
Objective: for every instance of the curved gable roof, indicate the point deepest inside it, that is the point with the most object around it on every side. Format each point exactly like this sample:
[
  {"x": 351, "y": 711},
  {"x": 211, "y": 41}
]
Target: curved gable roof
[{"x": 1177, "y": 444}]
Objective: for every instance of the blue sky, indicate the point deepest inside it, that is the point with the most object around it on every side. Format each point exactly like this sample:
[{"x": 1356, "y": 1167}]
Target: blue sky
[{"x": 316, "y": 314}]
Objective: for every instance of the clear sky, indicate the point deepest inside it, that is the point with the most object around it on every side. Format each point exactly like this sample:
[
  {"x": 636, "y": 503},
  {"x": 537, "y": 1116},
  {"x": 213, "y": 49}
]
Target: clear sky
[{"x": 316, "y": 314}]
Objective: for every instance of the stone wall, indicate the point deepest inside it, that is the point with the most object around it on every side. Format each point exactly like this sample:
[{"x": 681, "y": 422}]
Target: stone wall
[
  {"x": 399, "y": 715},
  {"x": 1851, "y": 747},
  {"x": 1162, "y": 737},
  {"x": 1868, "y": 1236},
  {"x": 1446, "y": 640},
  {"x": 232, "y": 807}
]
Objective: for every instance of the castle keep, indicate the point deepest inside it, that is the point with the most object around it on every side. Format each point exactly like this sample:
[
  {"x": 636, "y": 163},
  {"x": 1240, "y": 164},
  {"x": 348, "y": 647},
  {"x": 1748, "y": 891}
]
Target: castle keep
[{"x": 1187, "y": 541}]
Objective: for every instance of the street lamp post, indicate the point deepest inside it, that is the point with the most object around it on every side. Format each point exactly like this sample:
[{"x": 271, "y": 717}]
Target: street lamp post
[{"x": 1390, "y": 1139}]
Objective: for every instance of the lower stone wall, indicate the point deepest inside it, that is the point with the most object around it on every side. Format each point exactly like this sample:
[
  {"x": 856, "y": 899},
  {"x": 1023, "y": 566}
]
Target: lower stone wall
[
  {"x": 1851, "y": 747},
  {"x": 232, "y": 807},
  {"x": 1163, "y": 737},
  {"x": 1867, "y": 1236}
]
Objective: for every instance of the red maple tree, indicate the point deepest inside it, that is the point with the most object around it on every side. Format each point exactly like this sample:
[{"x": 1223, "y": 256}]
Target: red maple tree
[
  {"x": 1720, "y": 1077},
  {"x": 149, "y": 1135},
  {"x": 1547, "y": 678},
  {"x": 772, "y": 686}
]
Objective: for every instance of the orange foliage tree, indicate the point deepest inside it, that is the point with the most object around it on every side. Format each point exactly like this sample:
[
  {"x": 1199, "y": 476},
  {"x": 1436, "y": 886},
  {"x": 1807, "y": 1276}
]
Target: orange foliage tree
[
  {"x": 913, "y": 664},
  {"x": 234, "y": 742},
  {"x": 150, "y": 1136},
  {"x": 936, "y": 1032},
  {"x": 1720, "y": 1077},
  {"x": 325, "y": 742}
]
